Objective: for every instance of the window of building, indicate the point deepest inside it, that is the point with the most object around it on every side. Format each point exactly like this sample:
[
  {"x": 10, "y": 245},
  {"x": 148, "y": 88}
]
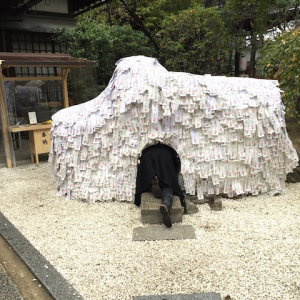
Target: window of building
[{"x": 34, "y": 42}]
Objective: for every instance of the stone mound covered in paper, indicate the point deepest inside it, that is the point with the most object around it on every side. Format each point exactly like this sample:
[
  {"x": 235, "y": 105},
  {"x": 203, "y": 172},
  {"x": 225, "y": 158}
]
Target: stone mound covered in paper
[{"x": 229, "y": 133}]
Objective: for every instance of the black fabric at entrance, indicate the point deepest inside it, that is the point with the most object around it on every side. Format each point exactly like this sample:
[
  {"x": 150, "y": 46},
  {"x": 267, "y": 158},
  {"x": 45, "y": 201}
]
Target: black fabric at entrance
[{"x": 161, "y": 161}]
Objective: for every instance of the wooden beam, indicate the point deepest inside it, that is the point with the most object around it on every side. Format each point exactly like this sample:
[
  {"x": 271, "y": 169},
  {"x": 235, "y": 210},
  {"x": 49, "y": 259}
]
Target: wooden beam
[
  {"x": 4, "y": 120},
  {"x": 65, "y": 86},
  {"x": 32, "y": 78},
  {"x": 28, "y": 127},
  {"x": 53, "y": 64}
]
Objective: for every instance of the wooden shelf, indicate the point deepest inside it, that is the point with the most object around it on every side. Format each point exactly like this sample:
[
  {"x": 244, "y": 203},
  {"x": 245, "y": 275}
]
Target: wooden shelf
[{"x": 29, "y": 127}]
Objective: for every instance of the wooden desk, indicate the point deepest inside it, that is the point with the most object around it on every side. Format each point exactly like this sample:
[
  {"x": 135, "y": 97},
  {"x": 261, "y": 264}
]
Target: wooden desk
[{"x": 39, "y": 138}]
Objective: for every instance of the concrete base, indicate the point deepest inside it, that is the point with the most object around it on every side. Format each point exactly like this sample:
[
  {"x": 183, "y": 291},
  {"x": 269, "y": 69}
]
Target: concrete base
[
  {"x": 150, "y": 212},
  {"x": 213, "y": 201}
]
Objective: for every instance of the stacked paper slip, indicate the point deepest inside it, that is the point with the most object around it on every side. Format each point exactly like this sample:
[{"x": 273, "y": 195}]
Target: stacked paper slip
[{"x": 229, "y": 133}]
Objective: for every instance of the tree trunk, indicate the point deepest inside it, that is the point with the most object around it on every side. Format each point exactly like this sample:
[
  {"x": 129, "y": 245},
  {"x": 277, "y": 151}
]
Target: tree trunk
[
  {"x": 298, "y": 105},
  {"x": 252, "y": 69},
  {"x": 237, "y": 63},
  {"x": 108, "y": 11},
  {"x": 209, "y": 3},
  {"x": 253, "y": 43}
]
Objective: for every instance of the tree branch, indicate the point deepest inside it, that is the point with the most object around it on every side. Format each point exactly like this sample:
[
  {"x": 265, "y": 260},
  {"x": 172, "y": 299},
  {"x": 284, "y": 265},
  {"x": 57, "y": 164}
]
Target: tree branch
[{"x": 141, "y": 24}]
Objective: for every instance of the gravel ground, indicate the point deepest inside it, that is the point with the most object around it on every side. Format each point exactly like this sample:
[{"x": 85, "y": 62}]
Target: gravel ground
[{"x": 250, "y": 250}]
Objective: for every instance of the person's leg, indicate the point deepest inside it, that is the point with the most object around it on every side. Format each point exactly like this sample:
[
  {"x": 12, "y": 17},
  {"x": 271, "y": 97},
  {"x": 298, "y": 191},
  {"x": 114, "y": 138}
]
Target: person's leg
[
  {"x": 165, "y": 208},
  {"x": 155, "y": 188},
  {"x": 165, "y": 169},
  {"x": 167, "y": 197}
]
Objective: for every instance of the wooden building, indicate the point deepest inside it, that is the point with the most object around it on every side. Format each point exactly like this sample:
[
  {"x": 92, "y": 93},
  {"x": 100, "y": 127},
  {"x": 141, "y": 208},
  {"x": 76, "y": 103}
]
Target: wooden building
[
  {"x": 30, "y": 97},
  {"x": 34, "y": 68}
]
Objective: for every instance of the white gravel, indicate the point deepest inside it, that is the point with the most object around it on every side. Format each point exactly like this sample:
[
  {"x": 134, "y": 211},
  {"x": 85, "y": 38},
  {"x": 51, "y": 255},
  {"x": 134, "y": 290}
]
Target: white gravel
[{"x": 250, "y": 250}]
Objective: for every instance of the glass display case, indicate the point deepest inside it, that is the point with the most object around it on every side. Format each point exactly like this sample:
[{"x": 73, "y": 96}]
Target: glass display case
[
  {"x": 51, "y": 82},
  {"x": 42, "y": 97}
]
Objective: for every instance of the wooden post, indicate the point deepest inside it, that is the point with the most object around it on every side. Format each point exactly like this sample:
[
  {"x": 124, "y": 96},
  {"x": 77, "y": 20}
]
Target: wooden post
[
  {"x": 33, "y": 78},
  {"x": 5, "y": 129},
  {"x": 65, "y": 87}
]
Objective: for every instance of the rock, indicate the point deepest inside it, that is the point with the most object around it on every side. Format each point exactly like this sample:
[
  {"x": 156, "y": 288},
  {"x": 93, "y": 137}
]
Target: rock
[
  {"x": 215, "y": 204},
  {"x": 213, "y": 201},
  {"x": 191, "y": 208},
  {"x": 294, "y": 177},
  {"x": 195, "y": 200}
]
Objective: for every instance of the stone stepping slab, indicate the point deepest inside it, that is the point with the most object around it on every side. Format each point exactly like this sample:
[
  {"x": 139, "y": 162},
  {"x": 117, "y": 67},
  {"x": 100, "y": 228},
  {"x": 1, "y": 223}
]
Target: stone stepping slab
[
  {"x": 202, "y": 296},
  {"x": 156, "y": 233}
]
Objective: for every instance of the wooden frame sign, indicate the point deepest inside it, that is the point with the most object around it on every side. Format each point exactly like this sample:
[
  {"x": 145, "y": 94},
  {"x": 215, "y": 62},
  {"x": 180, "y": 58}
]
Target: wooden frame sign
[{"x": 32, "y": 117}]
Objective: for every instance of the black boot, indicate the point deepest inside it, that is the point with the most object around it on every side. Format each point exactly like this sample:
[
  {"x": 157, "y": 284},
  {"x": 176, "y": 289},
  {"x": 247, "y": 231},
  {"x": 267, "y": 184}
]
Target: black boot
[{"x": 165, "y": 208}]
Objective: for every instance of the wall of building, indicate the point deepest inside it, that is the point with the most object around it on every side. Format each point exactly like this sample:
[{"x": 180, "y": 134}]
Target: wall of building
[
  {"x": 43, "y": 17},
  {"x": 37, "y": 23},
  {"x": 54, "y": 6}
]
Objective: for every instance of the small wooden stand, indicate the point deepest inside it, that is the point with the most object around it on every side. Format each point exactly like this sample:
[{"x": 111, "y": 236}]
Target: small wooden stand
[
  {"x": 39, "y": 138},
  {"x": 39, "y": 143}
]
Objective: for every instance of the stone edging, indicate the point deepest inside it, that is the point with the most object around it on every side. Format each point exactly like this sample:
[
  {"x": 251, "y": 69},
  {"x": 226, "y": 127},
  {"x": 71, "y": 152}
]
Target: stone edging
[{"x": 53, "y": 281}]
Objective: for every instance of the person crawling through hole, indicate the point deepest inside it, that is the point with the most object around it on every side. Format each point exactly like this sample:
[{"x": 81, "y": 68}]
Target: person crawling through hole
[{"x": 158, "y": 170}]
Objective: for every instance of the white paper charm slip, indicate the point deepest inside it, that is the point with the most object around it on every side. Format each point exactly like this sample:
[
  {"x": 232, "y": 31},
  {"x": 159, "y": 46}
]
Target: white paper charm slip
[{"x": 228, "y": 132}]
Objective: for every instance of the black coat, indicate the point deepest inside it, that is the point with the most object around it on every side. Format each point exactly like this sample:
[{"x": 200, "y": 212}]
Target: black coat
[{"x": 161, "y": 161}]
